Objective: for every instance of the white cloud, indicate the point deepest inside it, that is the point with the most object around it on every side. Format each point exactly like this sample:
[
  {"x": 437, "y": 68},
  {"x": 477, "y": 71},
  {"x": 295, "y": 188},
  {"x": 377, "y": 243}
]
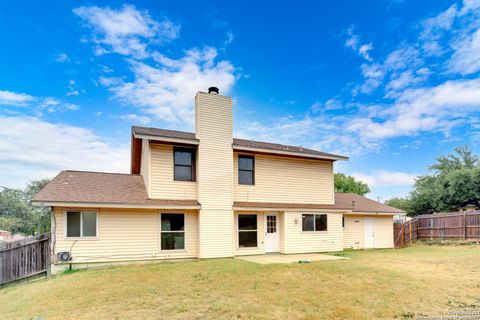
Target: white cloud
[
  {"x": 72, "y": 88},
  {"x": 410, "y": 107},
  {"x": 448, "y": 41},
  {"x": 55, "y": 105},
  {"x": 418, "y": 110},
  {"x": 364, "y": 51},
  {"x": 353, "y": 42},
  {"x": 407, "y": 78},
  {"x": 135, "y": 118},
  {"x": 437, "y": 109},
  {"x": 9, "y": 98},
  {"x": 31, "y": 148},
  {"x": 165, "y": 91},
  {"x": 62, "y": 57},
  {"x": 466, "y": 59},
  {"x": 229, "y": 38},
  {"x": 386, "y": 178},
  {"x": 374, "y": 74},
  {"x": 126, "y": 31},
  {"x": 36, "y": 104}
]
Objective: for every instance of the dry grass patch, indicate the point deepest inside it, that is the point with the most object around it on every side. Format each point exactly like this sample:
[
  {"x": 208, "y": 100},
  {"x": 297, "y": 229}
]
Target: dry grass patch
[{"x": 373, "y": 284}]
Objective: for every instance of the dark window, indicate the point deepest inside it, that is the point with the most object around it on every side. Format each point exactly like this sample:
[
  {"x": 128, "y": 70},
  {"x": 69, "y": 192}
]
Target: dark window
[
  {"x": 247, "y": 230},
  {"x": 343, "y": 222},
  {"x": 184, "y": 164},
  {"x": 73, "y": 224},
  {"x": 81, "y": 224},
  {"x": 172, "y": 231},
  {"x": 320, "y": 222},
  {"x": 246, "y": 170},
  {"x": 314, "y": 222}
]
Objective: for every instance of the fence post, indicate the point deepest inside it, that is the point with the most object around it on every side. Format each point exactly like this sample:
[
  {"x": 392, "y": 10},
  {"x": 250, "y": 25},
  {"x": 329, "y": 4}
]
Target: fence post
[
  {"x": 410, "y": 227},
  {"x": 464, "y": 225}
]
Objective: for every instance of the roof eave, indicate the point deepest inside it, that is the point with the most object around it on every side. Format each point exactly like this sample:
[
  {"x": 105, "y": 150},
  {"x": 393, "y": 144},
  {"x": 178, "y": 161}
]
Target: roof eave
[
  {"x": 112, "y": 205},
  {"x": 243, "y": 208},
  {"x": 166, "y": 139},
  {"x": 331, "y": 157}
]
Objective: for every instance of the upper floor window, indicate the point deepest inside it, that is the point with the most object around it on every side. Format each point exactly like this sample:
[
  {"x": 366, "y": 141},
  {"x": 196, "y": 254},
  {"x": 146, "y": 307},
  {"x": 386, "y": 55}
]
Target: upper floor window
[
  {"x": 184, "y": 164},
  {"x": 246, "y": 169}
]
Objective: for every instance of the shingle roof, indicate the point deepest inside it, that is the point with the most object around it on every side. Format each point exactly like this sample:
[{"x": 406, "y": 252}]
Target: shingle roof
[
  {"x": 266, "y": 146},
  {"x": 129, "y": 189},
  {"x": 276, "y": 205},
  {"x": 343, "y": 201},
  {"x": 362, "y": 204},
  {"x": 281, "y": 147},
  {"x": 100, "y": 187}
]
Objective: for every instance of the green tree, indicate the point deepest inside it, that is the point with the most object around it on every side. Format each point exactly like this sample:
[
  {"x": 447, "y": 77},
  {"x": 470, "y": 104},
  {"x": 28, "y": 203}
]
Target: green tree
[
  {"x": 453, "y": 181},
  {"x": 344, "y": 183},
  {"x": 18, "y": 215},
  {"x": 400, "y": 203}
]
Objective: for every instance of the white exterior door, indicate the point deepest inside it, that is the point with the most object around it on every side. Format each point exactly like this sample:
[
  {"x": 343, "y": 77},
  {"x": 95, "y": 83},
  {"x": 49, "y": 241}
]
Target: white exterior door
[
  {"x": 272, "y": 236},
  {"x": 369, "y": 232}
]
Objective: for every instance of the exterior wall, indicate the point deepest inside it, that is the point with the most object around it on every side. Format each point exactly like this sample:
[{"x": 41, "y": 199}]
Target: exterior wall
[
  {"x": 213, "y": 120},
  {"x": 145, "y": 165},
  {"x": 298, "y": 241},
  {"x": 353, "y": 233},
  {"x": 281, "y": 229},
  {"x": 163, "y": 186},
  {"x": 125, "y": 234},
  {"x": 353, "y": 236},
  {"x": 260, "y": 249},
  {"x": 287, "y": 180},
  {"x": 383, "y": 232}
]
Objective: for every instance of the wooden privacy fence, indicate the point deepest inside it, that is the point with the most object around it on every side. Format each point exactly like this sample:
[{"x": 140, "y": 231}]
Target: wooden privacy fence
[
  {"x": 454, "y": 225},
  {"x": 24, "y": 258}
]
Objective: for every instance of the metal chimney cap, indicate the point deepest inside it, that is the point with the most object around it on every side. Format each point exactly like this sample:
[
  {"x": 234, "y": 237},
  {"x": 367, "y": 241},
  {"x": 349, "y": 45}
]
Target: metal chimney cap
[{"x": 213, "y": 90}]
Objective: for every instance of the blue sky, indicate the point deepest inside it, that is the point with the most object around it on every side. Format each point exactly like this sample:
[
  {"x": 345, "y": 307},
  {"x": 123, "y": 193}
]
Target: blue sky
[{"x": 392, "y": 84}]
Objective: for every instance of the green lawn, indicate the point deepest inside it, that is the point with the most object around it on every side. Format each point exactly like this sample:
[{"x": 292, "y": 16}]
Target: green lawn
[{"x": 429, "y": 280}]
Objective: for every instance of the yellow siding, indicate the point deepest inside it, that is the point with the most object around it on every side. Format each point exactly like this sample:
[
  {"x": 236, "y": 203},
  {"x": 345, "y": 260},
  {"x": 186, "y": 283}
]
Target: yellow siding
[
  {"x": 260, "y": 235},
  {"x": 383, "y": 232},
  {"x": 145, "y": 166},
  {"x": 281, "y": 229},
  {"x": 297, "y": 241},
  {"x": 213, "y": 120},
  {"x": 287, "y": 180},
  {"x": 353, "y": 232},
  {"x": 125, "y": 234},
  {"x": 163, "y": 186}
]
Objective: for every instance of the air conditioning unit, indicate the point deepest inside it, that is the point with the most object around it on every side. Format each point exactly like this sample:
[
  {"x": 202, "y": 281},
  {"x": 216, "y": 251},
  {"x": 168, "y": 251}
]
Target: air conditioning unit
[{"x": 64, "y": 256}]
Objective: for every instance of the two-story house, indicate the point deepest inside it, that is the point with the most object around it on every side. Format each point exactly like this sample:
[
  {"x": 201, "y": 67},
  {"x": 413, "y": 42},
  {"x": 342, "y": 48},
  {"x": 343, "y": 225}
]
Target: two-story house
[{"x": 205, "y": 194}]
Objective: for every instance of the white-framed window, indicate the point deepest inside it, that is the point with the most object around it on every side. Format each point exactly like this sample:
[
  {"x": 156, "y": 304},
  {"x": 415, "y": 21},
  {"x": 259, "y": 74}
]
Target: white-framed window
[
  {"x": 81, "y": 224},
  {"x": 172, "y": 231},
  {"x": 315, "y": 222},
  {"x": 247, "y": 230}
]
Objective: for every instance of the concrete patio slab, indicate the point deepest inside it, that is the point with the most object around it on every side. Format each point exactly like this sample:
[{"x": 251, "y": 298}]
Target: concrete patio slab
[{"x": 289, "y": 258}]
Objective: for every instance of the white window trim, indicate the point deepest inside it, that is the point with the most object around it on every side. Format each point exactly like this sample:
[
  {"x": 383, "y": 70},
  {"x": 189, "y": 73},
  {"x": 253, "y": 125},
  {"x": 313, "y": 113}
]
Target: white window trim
[
  {"x": 160, "y": 232},
  {"x": 314, "y": 214},
  {"x": 238, "y": 231},
  {"x": 65, "y": 237}
]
